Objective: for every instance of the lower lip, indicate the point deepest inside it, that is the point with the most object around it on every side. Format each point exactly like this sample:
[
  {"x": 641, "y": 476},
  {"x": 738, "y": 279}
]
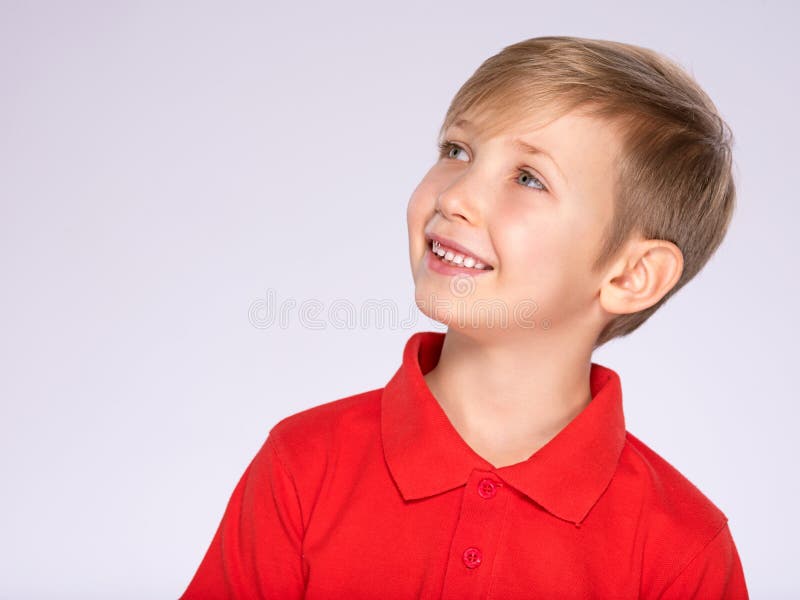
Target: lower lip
[{"x": 435, "y": 263}]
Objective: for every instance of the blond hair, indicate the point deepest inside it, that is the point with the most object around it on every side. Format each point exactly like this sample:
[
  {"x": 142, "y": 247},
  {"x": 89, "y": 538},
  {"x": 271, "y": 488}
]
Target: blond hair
[{"x": 674, "y": 179}]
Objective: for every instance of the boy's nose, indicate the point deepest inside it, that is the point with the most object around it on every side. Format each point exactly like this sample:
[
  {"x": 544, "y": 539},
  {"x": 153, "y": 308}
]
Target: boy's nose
[{"x": 458, "y": 201}]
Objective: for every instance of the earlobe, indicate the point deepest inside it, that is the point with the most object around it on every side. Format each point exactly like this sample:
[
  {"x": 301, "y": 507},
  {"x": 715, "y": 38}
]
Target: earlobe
[{"x": 645, "y": 275}]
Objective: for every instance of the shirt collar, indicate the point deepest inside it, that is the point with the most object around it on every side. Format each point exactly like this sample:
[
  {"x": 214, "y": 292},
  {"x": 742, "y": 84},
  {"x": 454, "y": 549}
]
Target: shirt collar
[{"x": 427, "y": 456}]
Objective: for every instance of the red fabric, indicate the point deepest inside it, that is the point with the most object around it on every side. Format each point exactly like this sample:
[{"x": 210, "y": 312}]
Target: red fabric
[{"x": 377, "y": 496}]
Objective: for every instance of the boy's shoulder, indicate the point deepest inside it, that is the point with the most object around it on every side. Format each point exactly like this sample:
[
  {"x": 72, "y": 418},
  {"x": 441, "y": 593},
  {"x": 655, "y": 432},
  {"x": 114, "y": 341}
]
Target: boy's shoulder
[
  {"x": 314, "y": 431},
  {"x": 669, "y": 487},
  {"x": 685, "y": 538},
  {"x": 676, "y": 509}
]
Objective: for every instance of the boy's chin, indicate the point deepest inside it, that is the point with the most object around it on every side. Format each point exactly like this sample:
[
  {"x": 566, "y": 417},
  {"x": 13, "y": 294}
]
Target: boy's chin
[
  {"x": 458, "y": 313},
  {"x": 460, "y": 308}
]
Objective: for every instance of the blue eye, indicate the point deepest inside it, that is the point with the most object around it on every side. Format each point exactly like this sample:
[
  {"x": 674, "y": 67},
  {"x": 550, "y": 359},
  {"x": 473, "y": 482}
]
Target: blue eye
[
  {"x": 446, "y": 149},
  {"x": 539, "y": 185}
]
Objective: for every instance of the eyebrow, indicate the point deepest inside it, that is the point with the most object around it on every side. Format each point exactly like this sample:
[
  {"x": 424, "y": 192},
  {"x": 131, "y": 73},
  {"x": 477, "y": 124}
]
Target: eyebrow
[{"x": 520, "y": 145}]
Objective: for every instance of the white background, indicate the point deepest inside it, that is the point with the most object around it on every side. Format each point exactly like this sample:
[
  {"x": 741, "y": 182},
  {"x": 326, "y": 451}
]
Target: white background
[{"x": 163, "y": 165}]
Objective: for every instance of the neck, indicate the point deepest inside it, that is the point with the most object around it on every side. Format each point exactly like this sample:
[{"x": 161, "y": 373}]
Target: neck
[{"x": 508, "y": 396}]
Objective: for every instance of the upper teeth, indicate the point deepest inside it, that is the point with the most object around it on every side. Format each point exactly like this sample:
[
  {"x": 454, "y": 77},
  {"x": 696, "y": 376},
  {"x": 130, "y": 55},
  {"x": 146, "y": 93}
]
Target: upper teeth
[{"x": 456, "y": 258}]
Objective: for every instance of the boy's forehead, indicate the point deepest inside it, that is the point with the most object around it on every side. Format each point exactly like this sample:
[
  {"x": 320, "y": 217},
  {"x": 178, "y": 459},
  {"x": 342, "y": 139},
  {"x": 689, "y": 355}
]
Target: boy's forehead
[{"x": 508, "y": 122}]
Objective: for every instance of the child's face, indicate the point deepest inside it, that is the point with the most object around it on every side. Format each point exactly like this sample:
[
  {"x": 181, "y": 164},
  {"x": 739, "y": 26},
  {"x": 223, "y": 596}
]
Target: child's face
[{"x": 540, "y": 243}]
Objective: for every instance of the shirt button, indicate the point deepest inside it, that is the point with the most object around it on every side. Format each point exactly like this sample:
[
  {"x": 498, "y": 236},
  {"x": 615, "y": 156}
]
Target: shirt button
[
  {"x": 472, "y": 557},
  {"x": 487, "y": 488}
]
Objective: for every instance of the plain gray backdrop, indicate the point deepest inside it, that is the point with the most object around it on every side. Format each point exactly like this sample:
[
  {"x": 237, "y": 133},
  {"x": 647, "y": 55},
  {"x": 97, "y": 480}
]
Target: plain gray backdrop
[{"x": 166, "y": 166}]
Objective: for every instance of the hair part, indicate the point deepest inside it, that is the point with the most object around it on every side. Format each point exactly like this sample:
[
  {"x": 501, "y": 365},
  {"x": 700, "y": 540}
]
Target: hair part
[{"x": 674, "y": 177}]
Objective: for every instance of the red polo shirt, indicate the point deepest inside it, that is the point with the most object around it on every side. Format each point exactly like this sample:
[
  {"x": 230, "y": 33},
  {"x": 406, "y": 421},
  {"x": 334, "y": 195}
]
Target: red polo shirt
[{"x": 377, "y": 496}]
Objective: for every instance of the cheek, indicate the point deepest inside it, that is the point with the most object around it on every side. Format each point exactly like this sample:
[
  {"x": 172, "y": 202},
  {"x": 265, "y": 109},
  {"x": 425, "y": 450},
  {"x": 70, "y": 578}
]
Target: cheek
[
  {"x": 420, "y": 206},
  {"x": 544, "y": 254},
  {"x": 418, "y": 213},
  {"x": 414, "y": 212},
  {"x": 527, "y": 240},
  {"x": 416, "y": 222}
]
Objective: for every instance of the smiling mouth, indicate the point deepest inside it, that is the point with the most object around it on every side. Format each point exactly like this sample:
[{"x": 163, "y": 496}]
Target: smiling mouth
[{"x": 458, "y": 259}]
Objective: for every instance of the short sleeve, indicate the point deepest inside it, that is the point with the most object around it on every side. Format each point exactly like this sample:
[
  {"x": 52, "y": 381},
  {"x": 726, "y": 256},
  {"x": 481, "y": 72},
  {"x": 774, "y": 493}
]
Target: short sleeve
[
  {"x": 714, "y": 574},
  {"x": 256, "y": 551}
]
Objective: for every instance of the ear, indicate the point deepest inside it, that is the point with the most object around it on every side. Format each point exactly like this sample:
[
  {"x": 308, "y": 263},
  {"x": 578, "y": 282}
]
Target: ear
[{"x": 645, "y": 273}]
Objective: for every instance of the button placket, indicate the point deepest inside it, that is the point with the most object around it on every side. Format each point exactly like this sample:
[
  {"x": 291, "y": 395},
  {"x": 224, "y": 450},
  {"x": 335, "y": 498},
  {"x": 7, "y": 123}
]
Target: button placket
[{"x": 476, "y": 538}]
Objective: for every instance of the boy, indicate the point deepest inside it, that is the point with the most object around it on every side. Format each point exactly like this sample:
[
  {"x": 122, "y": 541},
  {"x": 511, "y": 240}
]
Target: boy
[{"x": 580, "y": 183}]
